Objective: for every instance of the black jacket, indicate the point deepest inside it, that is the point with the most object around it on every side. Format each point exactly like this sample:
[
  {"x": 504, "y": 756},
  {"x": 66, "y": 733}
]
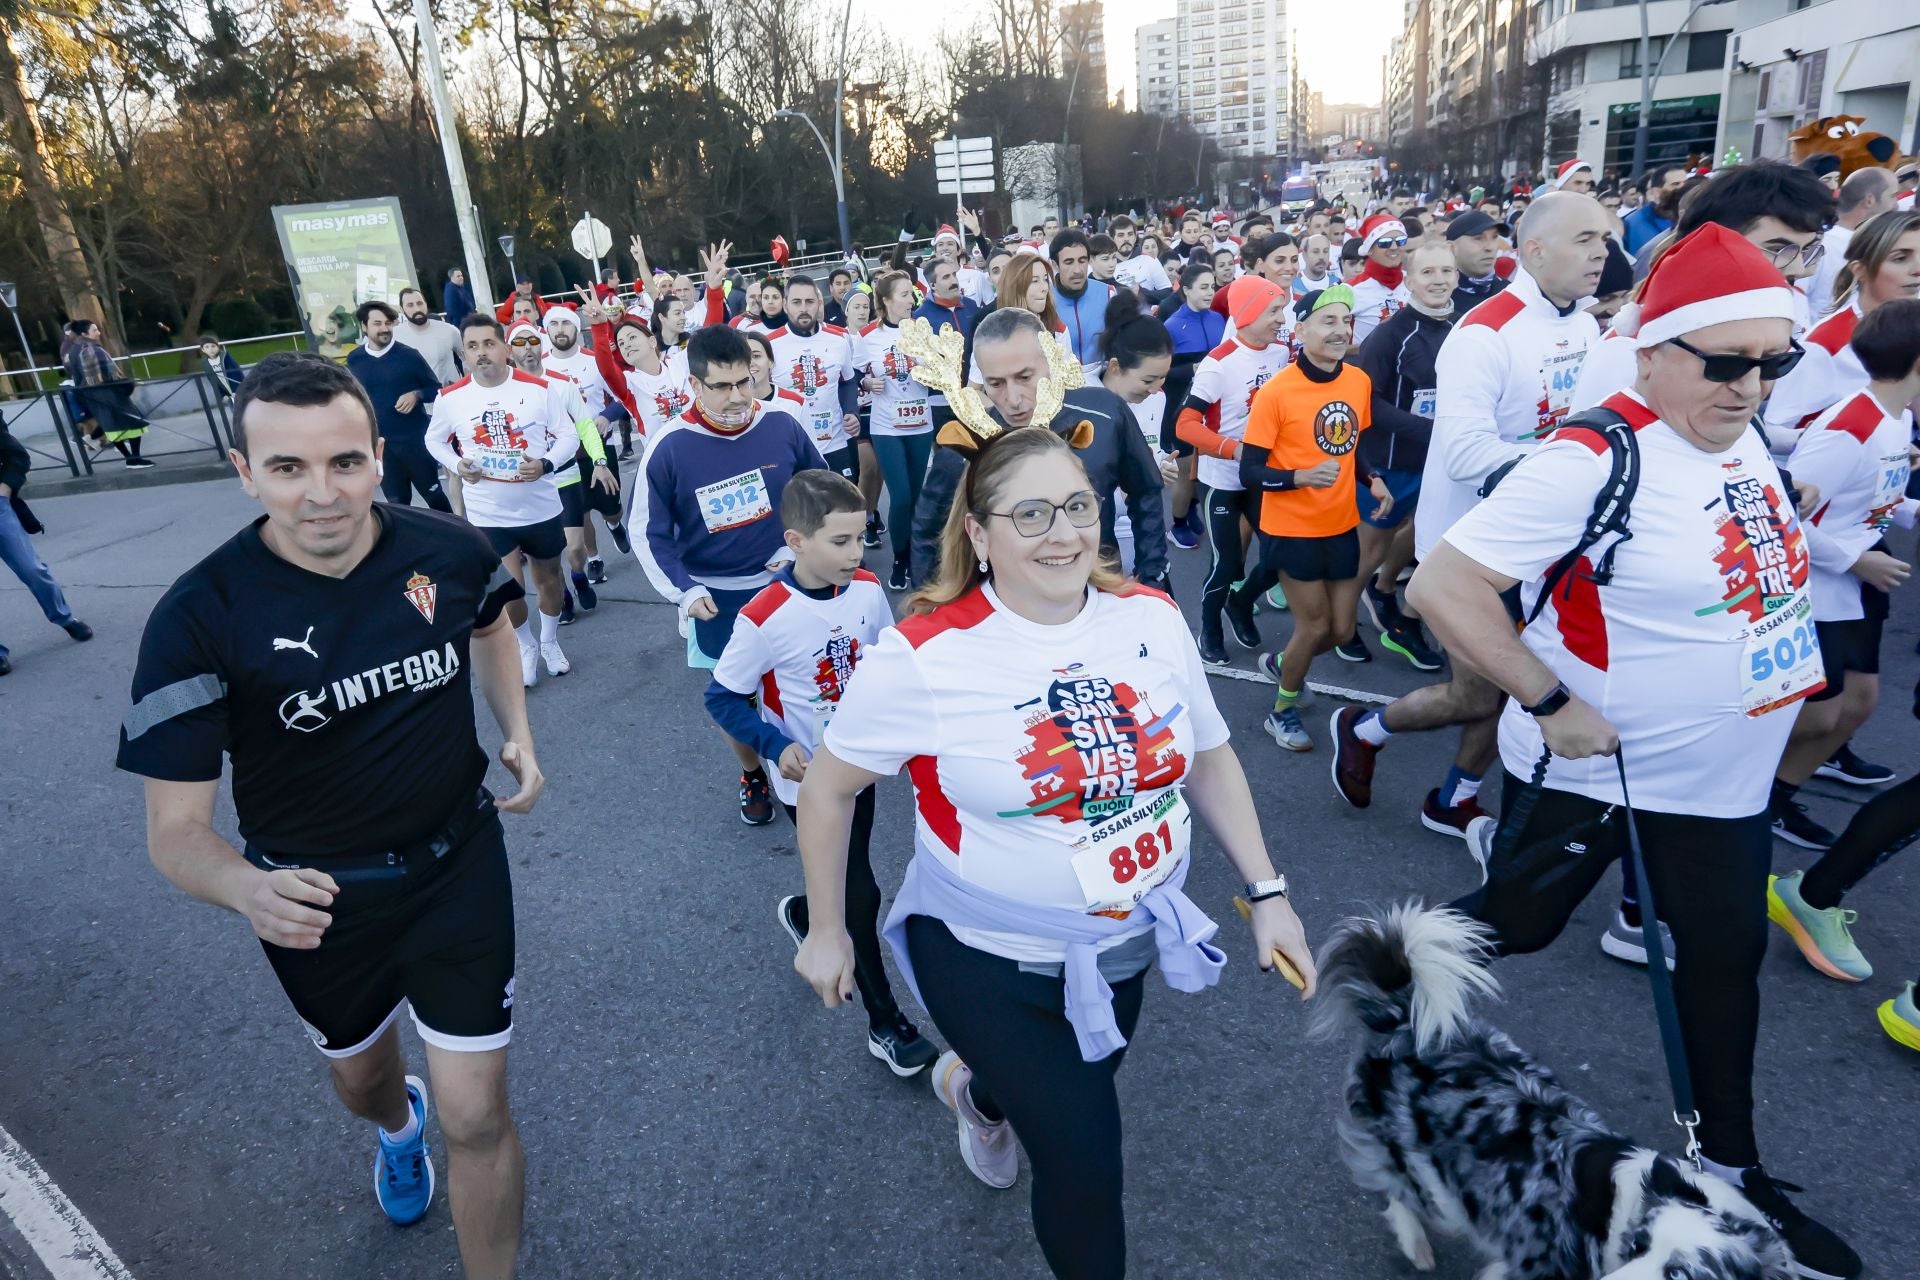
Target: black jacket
[
  {"x": 1399, "y": 356},
  {"x": 1118, "y": 458},
  {"x": 1469, "y": 294},
  {"x": 15, "y": 462}
]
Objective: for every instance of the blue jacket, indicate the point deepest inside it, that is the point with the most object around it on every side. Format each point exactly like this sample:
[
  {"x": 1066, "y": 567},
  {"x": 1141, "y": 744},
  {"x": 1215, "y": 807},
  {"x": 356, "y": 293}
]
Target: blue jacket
[
  {"x": 391, "y": 376},
  {"x": 1642, "y": 227},
  {"x": 1085, "y": 317},
  {"x": 962, "y": 317},
  {"x": 457, "y": 301}
]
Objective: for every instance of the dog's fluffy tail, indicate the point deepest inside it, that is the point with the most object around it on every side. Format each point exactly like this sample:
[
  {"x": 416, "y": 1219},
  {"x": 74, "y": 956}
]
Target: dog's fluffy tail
[{"x": 1412, "y": 969}]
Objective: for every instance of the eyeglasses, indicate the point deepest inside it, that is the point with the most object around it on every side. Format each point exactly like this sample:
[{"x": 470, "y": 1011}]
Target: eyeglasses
[
  {"x": 727, "y": 388},
  {"x": 1785, "y": 255},
  {"x": 526, "y": 342},
  {"x": 1732, "y": 368},
  {"x": 1034, "y": 516}
]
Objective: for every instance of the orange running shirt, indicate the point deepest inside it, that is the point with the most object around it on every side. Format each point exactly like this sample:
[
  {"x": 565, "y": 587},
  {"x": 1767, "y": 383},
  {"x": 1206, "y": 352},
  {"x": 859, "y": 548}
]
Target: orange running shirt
[{"x": 1302, "y": 423}]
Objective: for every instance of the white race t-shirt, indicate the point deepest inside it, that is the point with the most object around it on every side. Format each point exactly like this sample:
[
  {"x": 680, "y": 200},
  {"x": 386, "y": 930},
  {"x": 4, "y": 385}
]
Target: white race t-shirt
[
  {"x": 584, "y": 370},
  {"x": 1699, "y": 648},
  {"x": 1046, "y": 760},
  {"x": 661, "y": 397},
  {"x": 493, "y": 428},
  {"x": 1825, "y": 376},
  {"x": 812, "y": 368},
  {"x": 1147, "y": 415},
  {"x": 1226, "y": 380},
  {"x": 900, "y": 406},
  {"x": 798, "y": 653},
  {"x": 1856, "y": 454}
]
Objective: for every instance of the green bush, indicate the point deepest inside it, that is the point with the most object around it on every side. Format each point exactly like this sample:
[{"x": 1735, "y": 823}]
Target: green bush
[{"x": 238, "y": 318}]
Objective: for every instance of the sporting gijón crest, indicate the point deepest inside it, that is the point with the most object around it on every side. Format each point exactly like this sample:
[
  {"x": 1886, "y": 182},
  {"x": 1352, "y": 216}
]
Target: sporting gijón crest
[
  {"x": 421, "y": 593},
  {"x": 1094, "y": 744}
]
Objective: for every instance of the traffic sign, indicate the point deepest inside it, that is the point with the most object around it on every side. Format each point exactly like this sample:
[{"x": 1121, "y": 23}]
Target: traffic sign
[
  {"x": 964, "y": 166},
  {"x": 980, "y": 187},
  {"x": 591, "y": 239},
  {"x": 968, "y": 148}
]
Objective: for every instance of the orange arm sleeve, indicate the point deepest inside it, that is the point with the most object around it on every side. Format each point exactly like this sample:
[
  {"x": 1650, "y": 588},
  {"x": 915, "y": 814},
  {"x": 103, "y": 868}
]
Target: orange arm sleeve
[{"x": 1191, "y": 426}]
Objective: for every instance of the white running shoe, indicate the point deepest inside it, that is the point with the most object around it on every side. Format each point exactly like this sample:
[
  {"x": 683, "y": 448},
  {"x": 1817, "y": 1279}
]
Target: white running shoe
[
  {"x": 986, "y": 1146},
  {"x": 557, "y": 664},
  {"x": 529, "y": 664}
]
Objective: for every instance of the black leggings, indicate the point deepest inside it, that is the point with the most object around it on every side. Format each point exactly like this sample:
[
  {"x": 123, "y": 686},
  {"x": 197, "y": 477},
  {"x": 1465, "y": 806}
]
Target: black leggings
[
  {"x": 1010, "y": 1027},
  {"x": 406, "y": 465},
  {"x": 1225, "y": 509},
  {"x": 1883, "y": 827},
  {"x": 1710, "y": 880},
  {"x": 863, "y": 915}
]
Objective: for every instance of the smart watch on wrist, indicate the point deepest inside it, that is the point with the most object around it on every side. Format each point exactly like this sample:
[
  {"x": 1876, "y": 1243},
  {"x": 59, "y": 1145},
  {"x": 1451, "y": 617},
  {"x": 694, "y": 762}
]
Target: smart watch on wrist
[
  {"x": 1557, "y": 698},
  {"x": 1261, "y": 890}
]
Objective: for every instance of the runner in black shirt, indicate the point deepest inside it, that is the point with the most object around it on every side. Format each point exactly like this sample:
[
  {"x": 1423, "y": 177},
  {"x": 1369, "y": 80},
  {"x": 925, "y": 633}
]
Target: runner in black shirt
[{"x": 327, "y": 650}]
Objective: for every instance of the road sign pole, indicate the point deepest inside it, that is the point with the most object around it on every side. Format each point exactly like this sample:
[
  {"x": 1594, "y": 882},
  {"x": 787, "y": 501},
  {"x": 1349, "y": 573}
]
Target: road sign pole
[{"x": 586, "y": 215}]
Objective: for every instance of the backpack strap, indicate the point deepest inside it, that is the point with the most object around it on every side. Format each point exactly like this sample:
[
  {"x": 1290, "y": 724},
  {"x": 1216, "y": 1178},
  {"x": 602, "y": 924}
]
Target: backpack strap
[{"x": 1611, "y": 505}]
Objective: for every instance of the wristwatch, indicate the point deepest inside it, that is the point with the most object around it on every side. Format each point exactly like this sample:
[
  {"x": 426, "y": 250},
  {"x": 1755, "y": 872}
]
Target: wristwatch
[
  {"x": 546, "y": 466},
  {"x": 1260, "y": 890},
  {"x": 1557, "y": 698}
]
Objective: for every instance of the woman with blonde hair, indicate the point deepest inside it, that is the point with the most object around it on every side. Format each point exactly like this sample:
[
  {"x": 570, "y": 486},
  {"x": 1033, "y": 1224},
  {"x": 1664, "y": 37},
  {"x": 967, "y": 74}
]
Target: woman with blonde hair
[{"x": 1056, "y": 722}]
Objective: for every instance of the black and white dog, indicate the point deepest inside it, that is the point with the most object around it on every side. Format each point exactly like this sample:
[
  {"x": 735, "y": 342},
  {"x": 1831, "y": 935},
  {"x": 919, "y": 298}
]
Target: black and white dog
[{"x": 1467, "y": 1135}]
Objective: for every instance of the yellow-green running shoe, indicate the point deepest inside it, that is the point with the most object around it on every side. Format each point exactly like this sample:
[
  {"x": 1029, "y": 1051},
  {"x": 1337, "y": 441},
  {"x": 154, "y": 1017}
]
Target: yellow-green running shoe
[
  {"x": 1901, "y": 1018},
  {"x": 1821, "y": 935}
]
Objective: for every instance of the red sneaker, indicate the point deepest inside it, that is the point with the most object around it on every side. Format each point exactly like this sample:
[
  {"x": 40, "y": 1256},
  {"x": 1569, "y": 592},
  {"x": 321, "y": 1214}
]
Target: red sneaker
[
  {"x": 1352, "y": 759},
  {"x": 1450, "y": 821}
]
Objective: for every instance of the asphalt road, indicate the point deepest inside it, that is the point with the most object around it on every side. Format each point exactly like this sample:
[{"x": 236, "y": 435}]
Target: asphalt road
[{"x": 688, "y": 1109}]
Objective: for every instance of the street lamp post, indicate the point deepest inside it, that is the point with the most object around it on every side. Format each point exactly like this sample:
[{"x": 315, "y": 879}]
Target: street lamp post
[
  {"x": 839, "y": 182},
  {"x": 1649, "y": 78}
]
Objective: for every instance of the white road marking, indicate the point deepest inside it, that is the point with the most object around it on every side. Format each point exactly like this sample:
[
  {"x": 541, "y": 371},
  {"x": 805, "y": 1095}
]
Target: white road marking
[
  {"x": 59, "y": 1233},
  {"x": 1330, "y": 690}
]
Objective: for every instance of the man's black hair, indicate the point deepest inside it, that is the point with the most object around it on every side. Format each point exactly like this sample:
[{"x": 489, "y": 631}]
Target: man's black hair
[
  {"x": 371, "y": 306},
  {"x": 835, "y": 274},
  {"x": 304, "y": 379},
  {"x": 481, "y": 320},
  {"x": 1758, "y": 189},
  {"x": 715, "y": 344},
  {"x": 1069, "y": 238},
  {"x": 1887, "y": 340},
  {"x": 796, "y": 282}
]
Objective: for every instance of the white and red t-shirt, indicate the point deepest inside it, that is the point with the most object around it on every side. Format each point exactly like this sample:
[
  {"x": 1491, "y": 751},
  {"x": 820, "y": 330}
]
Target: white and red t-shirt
[
  {"x": 494, "y": 428},
  {"x": 1225, "y": 381},
  {"x": 813, "y": 368},
  {"x": 584, "y": 371},
  {"x": 1825, "y": 376},
  {"x": 797, "y": 652},
  {"x": 1699, "y": 648},
  {"x": 1147, "y": 415},
  {"x": 1856, "y": 453},
  {"x": 1046, "y": 760},
  {"x": 1504, "y": 378},
  {"x": 661, "y": 397},
  {"x": 900, "y": 406},
  {"x": 1374, "y": 302}
]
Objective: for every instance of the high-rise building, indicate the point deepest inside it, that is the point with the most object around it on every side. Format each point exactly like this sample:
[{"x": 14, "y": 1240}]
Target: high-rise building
[
  {"x": 1157, "y": 55},
  {"x": 1083, "y": 45},
  {"x": 1792, "y": 63},
  {"x": 1230, "y": 73}
]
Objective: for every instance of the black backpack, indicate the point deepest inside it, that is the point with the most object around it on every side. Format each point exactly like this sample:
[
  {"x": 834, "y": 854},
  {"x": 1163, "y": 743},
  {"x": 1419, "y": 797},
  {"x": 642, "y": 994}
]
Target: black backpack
[{"x": 1610, "y": 506}]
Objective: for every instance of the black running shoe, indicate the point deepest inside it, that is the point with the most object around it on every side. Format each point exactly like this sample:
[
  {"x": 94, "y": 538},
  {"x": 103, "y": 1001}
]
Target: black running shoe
[
  {"x": 871, "y": 538},
  {"x": 626, "y": 451},
  {"x": 596, "y": 570},
  {"x": 1791, "y": 823},
  {"x": 139, "y": 464},
  {"x": 1354, "y": 650},
  {"x": 621, "y": 541},
  {"x": 1410, "y": 642},
  {"x": 1817, "y": 1252},
  {"x": 756, "y": 799},
  {"x": 899, "y": 1044},
  {"x": 1383, "y": 608},
  {"x": 1213, "y": 649},
  {"x": 1239, "y": 615},
  {"x": 583, "y": 591},
  {"x": 567, "y": 615},
  {"x": 897, "y": 578},
  {"x": 792, "y": 915},
  {"x": 79, "y": 630},
  {"x": 1849, "y": 768}
]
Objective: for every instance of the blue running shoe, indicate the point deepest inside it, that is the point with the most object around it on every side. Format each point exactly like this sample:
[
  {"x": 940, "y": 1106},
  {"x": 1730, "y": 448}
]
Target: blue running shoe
[{"x": 403, "y": 1171}]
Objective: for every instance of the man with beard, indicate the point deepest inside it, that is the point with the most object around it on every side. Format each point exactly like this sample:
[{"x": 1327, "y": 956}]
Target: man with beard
[
  {"x": 437, "y": 341},
  {"x": 815, "y": 362},
  {"x": 402, "y": 387},
  {"x": 1656, "y": 214}
]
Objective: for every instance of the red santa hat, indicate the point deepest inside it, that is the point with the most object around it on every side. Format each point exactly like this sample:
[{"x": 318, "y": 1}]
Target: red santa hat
[
  {"x": 1712, "y": 276},
  {"x": 1221, "y": 218},
  {"x": 1567, "y": 170},
  {"x": 1380, "y": 226},
  {"x": 946, "y": 232}
]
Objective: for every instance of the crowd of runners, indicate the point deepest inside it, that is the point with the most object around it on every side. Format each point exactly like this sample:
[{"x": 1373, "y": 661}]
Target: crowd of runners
[{"x": 1630, "y": 503}]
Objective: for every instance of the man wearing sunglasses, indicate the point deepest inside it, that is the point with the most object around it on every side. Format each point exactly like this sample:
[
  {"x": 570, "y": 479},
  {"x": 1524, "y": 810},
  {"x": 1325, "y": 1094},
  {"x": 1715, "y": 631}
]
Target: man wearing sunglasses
[
  {"x": 1378, "y": 287},
  {"x": 1779, "y": 209},
  {"x": 1699, "y": 646},
  {"x": 1503, "y": 378}
]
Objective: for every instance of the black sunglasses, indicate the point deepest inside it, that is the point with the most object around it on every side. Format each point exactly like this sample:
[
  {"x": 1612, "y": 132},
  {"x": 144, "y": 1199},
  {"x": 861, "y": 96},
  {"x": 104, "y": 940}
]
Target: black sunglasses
[{"x": 1731, "y": 368}]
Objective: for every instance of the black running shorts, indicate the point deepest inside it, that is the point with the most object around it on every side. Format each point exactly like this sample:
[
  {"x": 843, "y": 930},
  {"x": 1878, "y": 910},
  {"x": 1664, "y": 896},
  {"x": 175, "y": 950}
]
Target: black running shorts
[
  {"x": 1332, "y": 559},
  {"x": 573, "y": 505},
  {"x": 543, "y": 541},
  {"x": 440, "y": 941}
]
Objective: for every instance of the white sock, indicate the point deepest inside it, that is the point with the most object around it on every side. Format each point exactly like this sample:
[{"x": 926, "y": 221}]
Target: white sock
[
  {"x": 1732, "y": 1174},
  {"x": 1372, "y": 729},
  {"x": 525, "y": 632},
  {"x": 549, "y": 627},
  {"x": 1464, "y": 790},
  {"x": 409, "y": 1131}
]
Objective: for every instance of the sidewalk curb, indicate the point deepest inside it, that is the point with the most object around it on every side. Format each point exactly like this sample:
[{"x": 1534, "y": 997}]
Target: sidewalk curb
[{"x": 110, "y": 476}]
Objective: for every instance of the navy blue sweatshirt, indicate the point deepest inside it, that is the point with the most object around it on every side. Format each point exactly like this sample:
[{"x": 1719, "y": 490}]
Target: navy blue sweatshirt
[{"x": 388, "y": 377}]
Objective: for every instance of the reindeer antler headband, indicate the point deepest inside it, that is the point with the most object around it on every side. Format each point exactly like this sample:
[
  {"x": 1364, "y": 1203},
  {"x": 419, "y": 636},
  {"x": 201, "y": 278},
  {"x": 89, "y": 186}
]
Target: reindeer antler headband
[{"x": 938, "y": 365}]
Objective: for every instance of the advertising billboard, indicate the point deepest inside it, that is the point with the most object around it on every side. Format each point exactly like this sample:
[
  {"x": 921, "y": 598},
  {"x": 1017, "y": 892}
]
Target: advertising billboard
[{"x": 339, "y": 255}]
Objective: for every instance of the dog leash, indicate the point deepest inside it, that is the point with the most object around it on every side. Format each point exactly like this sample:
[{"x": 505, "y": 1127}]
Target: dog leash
[{"x": 1685, "y": 1113}]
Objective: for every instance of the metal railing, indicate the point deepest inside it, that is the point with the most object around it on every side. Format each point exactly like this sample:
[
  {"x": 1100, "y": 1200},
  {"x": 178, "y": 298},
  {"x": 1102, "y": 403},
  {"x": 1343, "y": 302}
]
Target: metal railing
[
  {"x": 50, "y": 375},
  {"x": 184, "y": 414}
]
